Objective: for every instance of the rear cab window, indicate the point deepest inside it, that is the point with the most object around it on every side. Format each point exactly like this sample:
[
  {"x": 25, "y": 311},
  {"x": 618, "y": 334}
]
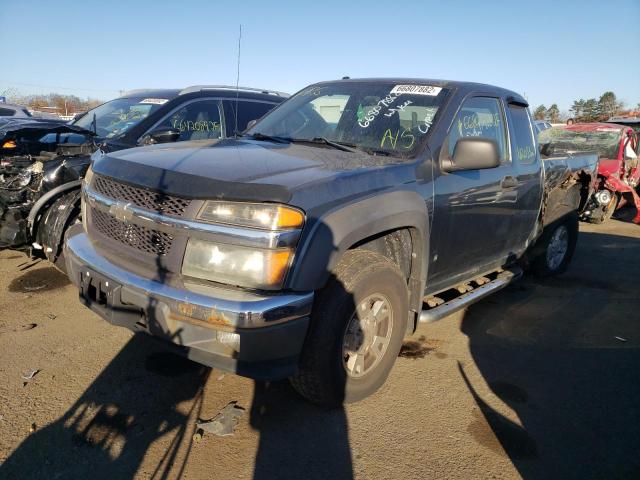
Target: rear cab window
[{"x": 523, "y": 143}]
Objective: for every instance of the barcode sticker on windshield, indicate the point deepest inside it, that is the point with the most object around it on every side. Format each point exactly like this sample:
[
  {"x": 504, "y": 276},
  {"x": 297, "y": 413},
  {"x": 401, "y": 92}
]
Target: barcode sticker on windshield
[
  {"x": 416, "y": 90},
  {"x": 155, "y": 101}
]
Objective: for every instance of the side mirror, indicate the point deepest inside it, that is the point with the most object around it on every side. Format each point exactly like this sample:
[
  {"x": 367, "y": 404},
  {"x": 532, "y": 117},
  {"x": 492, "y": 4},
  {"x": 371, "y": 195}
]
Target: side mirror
[
  {"x": 472, "y": 153},
  {"x": 547, "y": 149},
  {"x": 161, "y": 135},
  {"x": 251, "y": 123}
]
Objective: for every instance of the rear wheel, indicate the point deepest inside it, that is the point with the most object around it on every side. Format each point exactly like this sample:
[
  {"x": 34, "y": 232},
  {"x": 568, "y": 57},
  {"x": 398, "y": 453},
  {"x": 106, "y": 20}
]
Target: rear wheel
[
  {"x": 356, "y": 331},
  {"x": 554, "y": 249}
]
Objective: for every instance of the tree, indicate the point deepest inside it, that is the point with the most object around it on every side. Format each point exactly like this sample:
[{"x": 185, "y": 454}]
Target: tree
[
  {"x": 608, "y": 106},
  {"x": 553, "y": 113},
  {"x": 577, "y": 110},
  {"x": 540, "y": 112},
  {"x": 590, "y": 110}
]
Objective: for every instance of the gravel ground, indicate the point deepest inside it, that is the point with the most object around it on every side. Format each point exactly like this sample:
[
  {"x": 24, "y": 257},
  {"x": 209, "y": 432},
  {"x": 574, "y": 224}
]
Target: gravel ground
[{"x": 538, "y": 381}]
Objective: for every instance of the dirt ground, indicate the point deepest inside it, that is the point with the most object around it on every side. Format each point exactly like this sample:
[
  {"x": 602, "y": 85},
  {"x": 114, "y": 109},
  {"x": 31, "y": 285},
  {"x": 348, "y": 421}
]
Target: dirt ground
[{"x": 538, "y": 381}]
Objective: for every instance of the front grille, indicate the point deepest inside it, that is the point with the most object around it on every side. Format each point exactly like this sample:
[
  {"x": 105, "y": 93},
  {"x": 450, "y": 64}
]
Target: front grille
[
  {"x": 141, "y": 197},
  {"x": 138, "y": 237}
]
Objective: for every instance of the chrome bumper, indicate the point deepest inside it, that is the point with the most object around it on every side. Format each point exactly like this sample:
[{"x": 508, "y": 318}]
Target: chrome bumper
[{"x": 253, "y": 335}]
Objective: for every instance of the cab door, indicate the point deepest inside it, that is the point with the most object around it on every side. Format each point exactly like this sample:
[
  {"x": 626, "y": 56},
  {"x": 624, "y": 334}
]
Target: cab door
[{"x": 472, "y": 208}]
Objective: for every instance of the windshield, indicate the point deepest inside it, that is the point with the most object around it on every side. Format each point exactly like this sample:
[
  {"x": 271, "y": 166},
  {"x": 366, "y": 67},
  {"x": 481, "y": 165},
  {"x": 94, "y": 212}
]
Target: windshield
[
  {"x": 117, "y": 116},
  {"x": 382, "y": 117},
  {"x": 604, "y": 141}
]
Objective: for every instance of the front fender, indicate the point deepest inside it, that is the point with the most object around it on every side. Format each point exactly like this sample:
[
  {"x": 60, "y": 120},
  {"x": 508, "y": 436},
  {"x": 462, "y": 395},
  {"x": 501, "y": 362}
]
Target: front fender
[
  {"x": 43, "y": 203},
  {"x": 55, "y": 221},
  {"x": 331, "y": 235}
]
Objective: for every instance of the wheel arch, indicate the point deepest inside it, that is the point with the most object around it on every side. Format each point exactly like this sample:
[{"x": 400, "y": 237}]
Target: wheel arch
[
  {"x": 368, "y": 223},
  {"x": 47, "y": 227}
]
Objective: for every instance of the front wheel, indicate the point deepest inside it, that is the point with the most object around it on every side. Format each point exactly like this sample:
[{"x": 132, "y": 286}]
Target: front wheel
[
  {"x": 357, "y": 326},
  {"x": 555, "y": 248}
]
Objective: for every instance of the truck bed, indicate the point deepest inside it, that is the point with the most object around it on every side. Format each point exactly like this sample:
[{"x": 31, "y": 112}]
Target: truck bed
[{"x": 569, "y": 181}]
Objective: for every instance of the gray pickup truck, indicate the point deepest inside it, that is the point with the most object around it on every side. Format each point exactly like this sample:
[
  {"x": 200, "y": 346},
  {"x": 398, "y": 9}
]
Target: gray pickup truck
[{"x": 312, "y": 244}]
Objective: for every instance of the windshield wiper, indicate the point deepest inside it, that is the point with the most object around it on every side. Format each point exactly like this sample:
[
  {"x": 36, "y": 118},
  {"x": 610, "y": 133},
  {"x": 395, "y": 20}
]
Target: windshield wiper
[
  {"x": 345, "y": 147},
  {"x": 270, "y": 138},
  {"x": 376, "y": 151}
]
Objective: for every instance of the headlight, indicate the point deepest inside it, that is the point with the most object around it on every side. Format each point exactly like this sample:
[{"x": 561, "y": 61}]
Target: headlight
[
  {"x": 88, "y": 176},
  {"x": 22, "y": 179},
  {"x": 83, "y": 204},
  {"x": 256, "y": 215},
  {"x": 247, "y": 267}
]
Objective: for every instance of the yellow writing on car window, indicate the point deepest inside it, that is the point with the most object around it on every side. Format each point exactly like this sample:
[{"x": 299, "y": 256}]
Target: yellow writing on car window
[
  {"x": 407, "y": 139},
  {"x": 198, "y": 126}
]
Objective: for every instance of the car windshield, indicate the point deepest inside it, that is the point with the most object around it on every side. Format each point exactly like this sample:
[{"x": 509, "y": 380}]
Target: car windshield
[
  {"x": 114, "y": 118},
  {"x": 384, "y": 118},
  {"x": 605, "y": 141}
]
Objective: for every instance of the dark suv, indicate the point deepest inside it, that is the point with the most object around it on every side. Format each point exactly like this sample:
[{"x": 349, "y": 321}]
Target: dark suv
[{"x": 41, "y": 166}]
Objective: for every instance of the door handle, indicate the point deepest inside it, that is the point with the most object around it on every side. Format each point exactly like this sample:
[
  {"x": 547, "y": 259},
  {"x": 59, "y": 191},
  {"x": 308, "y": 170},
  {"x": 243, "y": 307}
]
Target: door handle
[{"x": 509, "y": 182}]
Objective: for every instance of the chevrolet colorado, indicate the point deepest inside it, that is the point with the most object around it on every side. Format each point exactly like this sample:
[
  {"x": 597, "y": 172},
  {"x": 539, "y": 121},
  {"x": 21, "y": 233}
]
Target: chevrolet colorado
[{"x": 310, "y": 246}]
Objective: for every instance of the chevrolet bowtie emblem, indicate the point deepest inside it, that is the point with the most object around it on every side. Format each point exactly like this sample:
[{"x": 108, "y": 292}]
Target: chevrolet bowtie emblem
[{"x": 121, "y": 211}]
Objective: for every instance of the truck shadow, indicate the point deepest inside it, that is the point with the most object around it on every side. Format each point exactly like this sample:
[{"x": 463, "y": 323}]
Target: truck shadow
[
  {"x": 297, "y": 439},
  {"x": 562, "y": 355},
  {"x": 137, "y": 400}
]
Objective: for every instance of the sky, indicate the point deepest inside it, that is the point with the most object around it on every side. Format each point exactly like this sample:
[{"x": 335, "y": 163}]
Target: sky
[{"x": 550, "y": 51}]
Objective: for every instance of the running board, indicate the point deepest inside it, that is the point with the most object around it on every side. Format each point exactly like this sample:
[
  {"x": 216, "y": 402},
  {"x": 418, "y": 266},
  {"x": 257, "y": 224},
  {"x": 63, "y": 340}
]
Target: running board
[{"x": 439, "y": 312}]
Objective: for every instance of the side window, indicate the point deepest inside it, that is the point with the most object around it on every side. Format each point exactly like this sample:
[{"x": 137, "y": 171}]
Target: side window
[
  {"x": 480, "y": 117},
  {"x": 524, "y": 146},
  {"x": 247, "y": 111},
  {"x": 5, "y": 112},
  {"x": 197, "y": 120}
]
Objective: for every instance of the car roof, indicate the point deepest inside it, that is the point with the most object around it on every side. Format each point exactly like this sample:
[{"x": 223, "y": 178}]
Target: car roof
[
  {"x": 451, "y": 84},
  {"x": 224, "y": 90},
  {"x": 167, "y": 93},
  {"x": 629, "y": 119},
  {"x": 14, "y": 106},
  {"x": 593, "y": 127}
]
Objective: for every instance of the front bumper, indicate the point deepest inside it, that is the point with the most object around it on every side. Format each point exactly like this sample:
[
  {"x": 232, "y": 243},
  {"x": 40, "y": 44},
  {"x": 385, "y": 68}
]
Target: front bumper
[{"x": 252, "y": 335}]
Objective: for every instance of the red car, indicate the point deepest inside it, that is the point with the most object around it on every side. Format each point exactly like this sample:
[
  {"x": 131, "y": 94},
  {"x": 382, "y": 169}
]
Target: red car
[{"x": 618, "y": 171}]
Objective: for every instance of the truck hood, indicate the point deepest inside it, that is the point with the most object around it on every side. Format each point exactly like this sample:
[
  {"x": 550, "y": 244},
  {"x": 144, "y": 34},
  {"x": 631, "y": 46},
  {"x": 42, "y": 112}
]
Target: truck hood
[{"x": 242, "y": 169}]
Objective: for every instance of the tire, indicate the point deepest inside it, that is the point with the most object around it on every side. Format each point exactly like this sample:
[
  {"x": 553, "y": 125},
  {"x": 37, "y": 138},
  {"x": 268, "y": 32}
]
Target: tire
[
  {"x": 608, "y": 212},
  {"x": 560, "y": 236},
  {"x": 365, "y": 279},
  {"x": 59, "y": 261}
]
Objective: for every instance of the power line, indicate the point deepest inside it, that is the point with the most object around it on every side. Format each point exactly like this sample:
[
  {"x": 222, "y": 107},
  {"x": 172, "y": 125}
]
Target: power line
[{"x": 57, "y": 87}]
